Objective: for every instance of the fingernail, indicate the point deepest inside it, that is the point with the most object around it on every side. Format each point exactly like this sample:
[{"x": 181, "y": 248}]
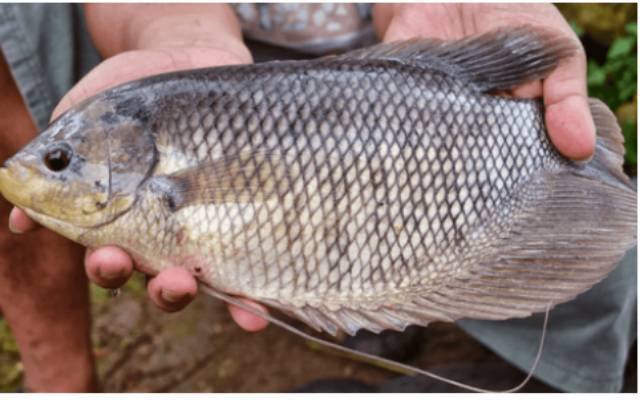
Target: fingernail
[
  {"x": 13, "y": 229},
  {"x": 171, "y": 297},
  {"x": 110, "y": 275}
]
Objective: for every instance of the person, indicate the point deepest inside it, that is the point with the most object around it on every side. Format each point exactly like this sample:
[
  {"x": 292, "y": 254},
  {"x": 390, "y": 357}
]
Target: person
[
  {"x": 142, "y": 40},
  {"x": 45, "y": 50},
  {"x": 39, "y": 270}
]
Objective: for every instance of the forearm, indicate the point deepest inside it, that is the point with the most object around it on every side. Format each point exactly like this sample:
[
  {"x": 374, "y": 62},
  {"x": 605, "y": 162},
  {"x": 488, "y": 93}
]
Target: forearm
[{"x": 116, "y": 28}]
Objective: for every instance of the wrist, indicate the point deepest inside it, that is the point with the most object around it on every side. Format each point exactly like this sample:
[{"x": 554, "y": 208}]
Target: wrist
[
  {"x": 120, "y": 28},
  {"x": 218, "y": 32}
]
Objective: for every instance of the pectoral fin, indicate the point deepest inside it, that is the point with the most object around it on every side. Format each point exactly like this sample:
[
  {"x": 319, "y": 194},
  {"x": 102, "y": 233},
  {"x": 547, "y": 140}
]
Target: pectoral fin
[{"x": 240, "y": 178}]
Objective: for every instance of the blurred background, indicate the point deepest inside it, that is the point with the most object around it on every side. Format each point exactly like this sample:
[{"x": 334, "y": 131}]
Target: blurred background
[{"x": 138, "y": 348}]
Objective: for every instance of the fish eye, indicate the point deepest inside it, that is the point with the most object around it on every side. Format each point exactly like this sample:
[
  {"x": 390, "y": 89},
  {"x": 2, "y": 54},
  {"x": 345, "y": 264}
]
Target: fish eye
[{"x": 58, "y": 157}]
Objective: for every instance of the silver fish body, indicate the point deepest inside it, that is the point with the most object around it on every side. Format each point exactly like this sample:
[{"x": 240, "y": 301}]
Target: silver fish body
[{"x": 373, "y": 190}]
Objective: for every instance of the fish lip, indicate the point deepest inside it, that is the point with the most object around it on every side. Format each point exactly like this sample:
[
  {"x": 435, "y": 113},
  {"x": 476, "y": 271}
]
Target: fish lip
[
  {"x": 13, "y": 183},
  {"x": 17, "y": 182},
  {"x": 8, "y": 185}
]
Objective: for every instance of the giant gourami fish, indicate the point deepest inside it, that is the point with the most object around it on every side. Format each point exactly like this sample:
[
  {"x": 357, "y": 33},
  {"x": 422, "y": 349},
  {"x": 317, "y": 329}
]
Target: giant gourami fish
[{"x": 388, "y": 186}]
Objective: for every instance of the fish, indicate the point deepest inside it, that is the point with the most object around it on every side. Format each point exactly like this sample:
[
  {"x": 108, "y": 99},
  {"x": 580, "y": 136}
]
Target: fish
[{"x": 391, "y": 185}]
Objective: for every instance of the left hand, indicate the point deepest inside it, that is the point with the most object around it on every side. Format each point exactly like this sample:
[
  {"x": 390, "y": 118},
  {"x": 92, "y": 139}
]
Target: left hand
[{"x": 173, "y": 39}]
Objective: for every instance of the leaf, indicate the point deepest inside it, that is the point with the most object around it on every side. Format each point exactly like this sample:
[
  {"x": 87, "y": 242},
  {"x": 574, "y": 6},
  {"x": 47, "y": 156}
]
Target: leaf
[
  {"x": 626, "y": 92},
  {"x": 7, "y": 341},
  {"x": 621, "y": 47},
  {"x": 597, "y": 75},
  {"x": 576, "y": 28},
  {"x": 629, "y": 129},
  {"x": 632, "y": 28}
]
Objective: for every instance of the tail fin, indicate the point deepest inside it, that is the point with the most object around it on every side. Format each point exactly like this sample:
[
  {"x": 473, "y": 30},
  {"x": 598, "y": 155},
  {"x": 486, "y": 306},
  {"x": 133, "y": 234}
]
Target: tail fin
[{"x": 572, "y": 228}]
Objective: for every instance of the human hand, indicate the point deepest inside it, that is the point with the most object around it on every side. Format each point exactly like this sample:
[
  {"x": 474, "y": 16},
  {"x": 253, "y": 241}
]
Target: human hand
[
  {"x": 564, "y": 92},
  {"x": 158, "y": 39}
]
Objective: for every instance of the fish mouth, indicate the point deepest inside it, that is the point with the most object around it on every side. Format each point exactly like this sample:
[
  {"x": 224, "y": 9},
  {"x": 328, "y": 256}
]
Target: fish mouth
[{"x": 13, "y": 185}]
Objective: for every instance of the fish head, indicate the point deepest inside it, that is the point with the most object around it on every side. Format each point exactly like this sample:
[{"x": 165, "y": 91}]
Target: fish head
[{"x": 82, "y": 171}]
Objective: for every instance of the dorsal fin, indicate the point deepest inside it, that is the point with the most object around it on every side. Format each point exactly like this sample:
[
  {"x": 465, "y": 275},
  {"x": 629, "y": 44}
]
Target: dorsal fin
[{"x": 497, "y": 60}]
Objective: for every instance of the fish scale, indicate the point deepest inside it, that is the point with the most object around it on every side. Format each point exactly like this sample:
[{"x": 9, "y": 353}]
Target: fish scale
[
  {"x": 339, "y": 254},
  {"x": 385, "y": 187}
]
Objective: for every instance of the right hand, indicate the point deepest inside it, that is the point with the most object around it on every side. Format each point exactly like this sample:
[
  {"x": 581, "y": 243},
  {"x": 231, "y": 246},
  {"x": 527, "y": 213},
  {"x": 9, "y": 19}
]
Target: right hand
[{"x": 564, "y": 91}]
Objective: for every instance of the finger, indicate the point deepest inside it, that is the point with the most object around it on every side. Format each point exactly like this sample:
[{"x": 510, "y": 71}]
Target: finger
[
  {"x": 421, "y": 21},
  {"x": 567, "y": 113},
  {"x": 382, "y": 14},
  {"x": 172, "y": 289},
  {"x": 19, "y": 222},
  {"x": 109, "y": 267},
  {"x": 246, "y": 320},
  {"x": 399, "y": 30},
  {"x": 528, "y": 90}
]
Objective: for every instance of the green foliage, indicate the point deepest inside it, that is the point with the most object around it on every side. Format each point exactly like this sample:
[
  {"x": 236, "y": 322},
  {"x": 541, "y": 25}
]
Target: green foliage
[
  {"x": 632, "y": 28},
  {"x": 10, "y": 365},
  {"x": 629, "y": 128},
  {"x": 135, "y": 286},
  {"x": 576, "y": 28},
  {"x": 7, "y": 343},
  {"x": 615, "y": 82}
]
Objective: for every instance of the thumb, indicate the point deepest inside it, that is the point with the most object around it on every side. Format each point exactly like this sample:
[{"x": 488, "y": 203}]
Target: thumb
[{"x": 567, "y": 112}]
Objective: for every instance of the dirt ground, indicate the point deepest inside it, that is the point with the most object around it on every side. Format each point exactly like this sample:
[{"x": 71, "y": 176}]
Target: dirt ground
[
  {"x": 138, "y": 348},
  {"x": 200, "y": 349},
  {"x": 141, "y": 349}
]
